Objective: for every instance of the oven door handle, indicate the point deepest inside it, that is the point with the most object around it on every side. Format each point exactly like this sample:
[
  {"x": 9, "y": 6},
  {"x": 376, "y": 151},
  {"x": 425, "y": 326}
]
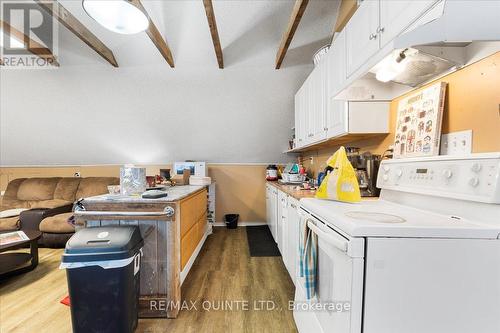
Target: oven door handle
[{"x": 337, "y": 241}]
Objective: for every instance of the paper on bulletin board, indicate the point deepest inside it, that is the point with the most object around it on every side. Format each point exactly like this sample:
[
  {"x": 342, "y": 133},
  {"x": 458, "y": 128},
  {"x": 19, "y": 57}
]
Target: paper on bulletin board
[{"x": 418, "y": 124}]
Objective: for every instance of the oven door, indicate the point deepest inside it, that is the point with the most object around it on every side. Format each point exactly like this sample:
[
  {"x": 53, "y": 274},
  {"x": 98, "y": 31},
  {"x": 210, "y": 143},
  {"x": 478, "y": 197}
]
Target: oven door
[{"x": 337, "y": 306}]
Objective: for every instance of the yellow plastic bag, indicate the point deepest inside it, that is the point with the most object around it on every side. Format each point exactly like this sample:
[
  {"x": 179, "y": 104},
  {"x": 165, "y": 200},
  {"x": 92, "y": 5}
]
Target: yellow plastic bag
[{"x": 341, "y": 183}]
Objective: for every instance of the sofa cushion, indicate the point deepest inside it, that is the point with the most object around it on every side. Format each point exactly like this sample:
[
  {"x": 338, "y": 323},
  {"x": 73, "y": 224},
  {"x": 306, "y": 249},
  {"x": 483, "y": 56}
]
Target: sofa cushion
[
  {"x": 9, "y": 199},
  {"x": 9, "y": 223},
  {"x": 91, "y": 186},
  {"x": 54, "y": 203},
  {"x": 13, "y": 203},
  {"x": 57, "y": 224},
  {"x": 35, "y": 189},
  {"x": 12, "y": 188},
  {"x": 66, "y": 189}
]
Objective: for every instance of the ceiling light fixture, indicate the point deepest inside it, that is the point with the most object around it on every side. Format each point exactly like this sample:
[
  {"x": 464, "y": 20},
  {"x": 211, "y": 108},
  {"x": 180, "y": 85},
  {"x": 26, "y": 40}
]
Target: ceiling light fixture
[
  {"x": 119, "y": 16},
  {"x": 393, "y": 65}
]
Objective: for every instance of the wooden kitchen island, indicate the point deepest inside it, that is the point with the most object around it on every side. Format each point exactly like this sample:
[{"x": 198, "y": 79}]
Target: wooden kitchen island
[{"x": 174, "y": 229}]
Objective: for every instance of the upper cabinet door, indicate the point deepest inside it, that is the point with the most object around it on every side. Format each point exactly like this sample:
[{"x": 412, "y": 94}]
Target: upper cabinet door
[
  {"x": 304, "y": 112},
  {"x": 337, "y": 118},
  {"x": 336, "y": 68},
  {"x": 362, "y": 40},
  {"x": 318, "y": 103},
  {"x": 298, "y": 124},
  {"x": 397, "y": 15}
]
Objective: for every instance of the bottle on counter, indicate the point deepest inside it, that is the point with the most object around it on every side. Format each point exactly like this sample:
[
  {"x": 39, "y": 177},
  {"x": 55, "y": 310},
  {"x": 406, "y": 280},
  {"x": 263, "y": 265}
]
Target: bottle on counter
[{"x": 271, "y": 172}]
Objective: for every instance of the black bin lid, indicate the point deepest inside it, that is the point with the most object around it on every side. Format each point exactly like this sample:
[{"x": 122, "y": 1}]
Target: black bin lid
[{"x": 103, "y": 243}]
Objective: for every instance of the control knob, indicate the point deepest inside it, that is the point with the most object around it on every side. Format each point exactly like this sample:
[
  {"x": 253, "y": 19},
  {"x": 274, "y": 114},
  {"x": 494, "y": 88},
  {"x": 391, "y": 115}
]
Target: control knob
[
  {"x": 447, "y": 173},
  {"x": 474, "y": 181},
  {"x": 399, "y": 173},
  {"x": 476, "y": 167}
]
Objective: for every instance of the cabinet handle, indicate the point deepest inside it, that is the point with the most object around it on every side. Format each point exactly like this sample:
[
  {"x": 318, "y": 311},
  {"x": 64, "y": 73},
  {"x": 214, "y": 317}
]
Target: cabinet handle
[
  {"x": 372, "y": 36},
  {"x": 380, "y": 30},
  {"x": 293, "y": 206}
]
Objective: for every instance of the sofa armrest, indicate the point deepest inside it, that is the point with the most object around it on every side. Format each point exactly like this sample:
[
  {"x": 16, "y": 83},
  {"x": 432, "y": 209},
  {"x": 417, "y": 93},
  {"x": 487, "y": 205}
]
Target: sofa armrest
[{"x": 30, "y": 219}]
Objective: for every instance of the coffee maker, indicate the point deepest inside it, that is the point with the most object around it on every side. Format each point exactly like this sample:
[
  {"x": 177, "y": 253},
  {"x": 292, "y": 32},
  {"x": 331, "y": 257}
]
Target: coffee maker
[{"x": 366, "y": 166}]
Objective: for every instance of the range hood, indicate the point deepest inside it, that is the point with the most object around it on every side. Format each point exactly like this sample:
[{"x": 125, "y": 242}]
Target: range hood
[{"x": 452, "y": 34}]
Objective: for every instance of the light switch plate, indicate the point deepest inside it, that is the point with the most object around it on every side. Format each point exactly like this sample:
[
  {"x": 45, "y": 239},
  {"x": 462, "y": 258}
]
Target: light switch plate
[{"x": 456, "y": 143}]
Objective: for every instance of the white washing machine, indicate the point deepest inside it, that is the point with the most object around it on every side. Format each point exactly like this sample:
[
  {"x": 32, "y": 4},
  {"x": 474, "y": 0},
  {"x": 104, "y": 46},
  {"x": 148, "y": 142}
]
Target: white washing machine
[{"x": 423, "y": 258}]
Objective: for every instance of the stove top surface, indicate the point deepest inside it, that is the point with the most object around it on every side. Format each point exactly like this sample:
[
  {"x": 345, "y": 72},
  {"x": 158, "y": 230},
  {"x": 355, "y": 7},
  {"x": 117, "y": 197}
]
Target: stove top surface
[{"x": 382, "y": 218}]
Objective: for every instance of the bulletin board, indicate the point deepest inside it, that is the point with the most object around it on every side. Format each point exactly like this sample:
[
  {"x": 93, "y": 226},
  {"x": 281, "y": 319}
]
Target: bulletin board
[{"x": 418, "y": 124}]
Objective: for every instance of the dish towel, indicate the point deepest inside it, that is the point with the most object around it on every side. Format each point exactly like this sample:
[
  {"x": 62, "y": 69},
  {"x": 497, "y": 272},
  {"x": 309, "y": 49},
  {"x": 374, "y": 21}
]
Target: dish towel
[{"x": 308, "y": 263}]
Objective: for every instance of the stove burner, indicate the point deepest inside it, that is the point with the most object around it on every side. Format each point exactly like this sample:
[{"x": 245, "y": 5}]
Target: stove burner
[{"x": 375, "y": 217}]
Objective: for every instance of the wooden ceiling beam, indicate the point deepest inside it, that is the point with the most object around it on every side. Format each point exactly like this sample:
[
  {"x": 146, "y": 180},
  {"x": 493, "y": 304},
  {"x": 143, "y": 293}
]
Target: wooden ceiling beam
[
  {"x": 347, "y": 9},
  {"x": 155, "y": 36},
  {"x": 209, "y": 10},
  {"x": 298, "y": 10},
  {"x": 57, "y": 11},
  {"x": 32, "y": 45}
]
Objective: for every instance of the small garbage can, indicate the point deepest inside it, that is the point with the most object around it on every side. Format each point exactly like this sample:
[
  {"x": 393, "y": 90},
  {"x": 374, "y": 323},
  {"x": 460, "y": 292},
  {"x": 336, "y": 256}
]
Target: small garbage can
[
  {"x": 102, "y": 268},
  {"x": 231, "y": 220}
]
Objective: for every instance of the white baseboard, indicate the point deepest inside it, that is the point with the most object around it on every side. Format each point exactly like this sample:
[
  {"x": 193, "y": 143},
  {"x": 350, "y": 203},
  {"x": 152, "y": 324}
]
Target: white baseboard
[
  {"x": 240, "y": 224},
  {"x": 191, "y": 260}
]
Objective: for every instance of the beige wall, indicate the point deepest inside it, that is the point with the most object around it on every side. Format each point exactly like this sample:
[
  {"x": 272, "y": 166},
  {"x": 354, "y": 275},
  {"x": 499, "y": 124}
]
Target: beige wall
[
  {"x": 472, "y": 102},
  {"x": 240, "y": 188}
]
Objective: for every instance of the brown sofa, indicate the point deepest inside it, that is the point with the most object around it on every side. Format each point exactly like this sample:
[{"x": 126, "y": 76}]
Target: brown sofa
[{"x": 50, "y": 202}]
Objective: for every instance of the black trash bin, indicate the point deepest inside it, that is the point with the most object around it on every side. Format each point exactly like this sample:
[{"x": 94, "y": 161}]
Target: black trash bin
[
  {"x": 102, "y": 268},
  {"x": 231, "y": 220}
]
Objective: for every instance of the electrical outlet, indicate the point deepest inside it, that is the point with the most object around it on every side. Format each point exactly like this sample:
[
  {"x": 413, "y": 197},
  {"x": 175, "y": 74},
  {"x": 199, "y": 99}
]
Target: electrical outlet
[
  {"x": 77, "y": 174},
  {"x": 456, "y": 143}
]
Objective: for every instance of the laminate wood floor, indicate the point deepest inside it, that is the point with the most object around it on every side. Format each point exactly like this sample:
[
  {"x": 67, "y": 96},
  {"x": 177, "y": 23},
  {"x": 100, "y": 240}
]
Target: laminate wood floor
[{"x": 222, "y": 276}]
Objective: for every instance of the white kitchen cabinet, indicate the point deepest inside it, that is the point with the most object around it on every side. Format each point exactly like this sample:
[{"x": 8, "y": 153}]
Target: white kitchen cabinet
[
  {"x": 299, "y": 132},
  {"x": 395, "y": 16},
  {"x": 376, "y": 23},
  {"x": 272, "y": 209},
  {"x": 319, "y": 104},
  {"x": 292, "y": 238},
  {"x": 337, "y": 119},
  {"x": 362, "y": 40},
  {"x": 282, "y": 222},
  {"x": 310, "y": 107},
  {"x": 302, "y": 100},
  {"x": 336, "y": 69},
  {"x": 345, "y": 118}
]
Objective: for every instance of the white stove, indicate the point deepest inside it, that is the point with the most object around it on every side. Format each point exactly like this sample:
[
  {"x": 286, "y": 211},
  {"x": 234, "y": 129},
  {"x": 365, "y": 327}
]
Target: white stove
[{"x": 425, "y": 257}]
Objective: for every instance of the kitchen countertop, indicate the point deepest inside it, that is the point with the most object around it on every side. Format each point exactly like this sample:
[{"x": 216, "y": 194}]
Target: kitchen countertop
[
  {"x": 291, "y": 190},
  {"x": 301, "y": 194},
  {"x": 175, "y": 193}
]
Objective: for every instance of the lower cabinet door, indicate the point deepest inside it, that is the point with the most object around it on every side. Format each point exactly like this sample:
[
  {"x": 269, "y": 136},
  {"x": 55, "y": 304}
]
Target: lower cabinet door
[{"x": 292, "y": 237}]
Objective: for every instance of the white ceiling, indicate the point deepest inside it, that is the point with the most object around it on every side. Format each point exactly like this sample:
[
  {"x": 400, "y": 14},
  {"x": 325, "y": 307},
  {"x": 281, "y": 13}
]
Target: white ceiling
[
  {"x": 250, "y": 33},
  {"x": 88, "y": 112}
]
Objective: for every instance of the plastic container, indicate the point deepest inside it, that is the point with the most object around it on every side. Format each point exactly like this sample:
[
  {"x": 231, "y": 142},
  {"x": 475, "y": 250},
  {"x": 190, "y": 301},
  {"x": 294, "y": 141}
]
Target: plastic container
[
  {"x": 231, "y": 220},
  {"x": 103, "y": 273}
]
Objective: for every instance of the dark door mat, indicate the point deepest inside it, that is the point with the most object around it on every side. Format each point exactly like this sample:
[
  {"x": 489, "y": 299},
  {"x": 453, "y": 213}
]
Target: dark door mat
[{"x": 261, "y": 242}]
